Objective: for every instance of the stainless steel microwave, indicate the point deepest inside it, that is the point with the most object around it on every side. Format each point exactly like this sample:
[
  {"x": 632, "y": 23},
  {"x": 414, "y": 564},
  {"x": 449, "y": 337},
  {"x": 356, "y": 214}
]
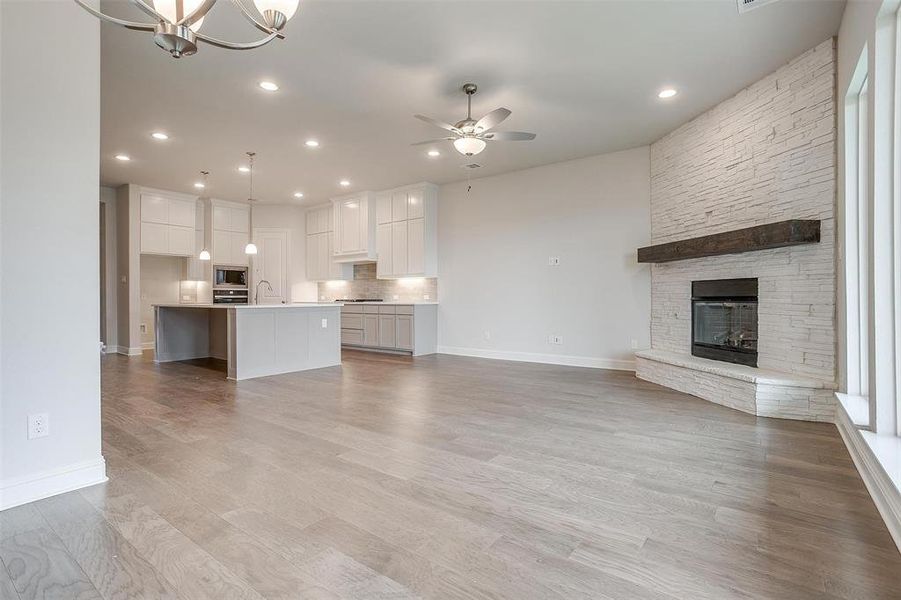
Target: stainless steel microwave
[{"x": 230, "y": 277}]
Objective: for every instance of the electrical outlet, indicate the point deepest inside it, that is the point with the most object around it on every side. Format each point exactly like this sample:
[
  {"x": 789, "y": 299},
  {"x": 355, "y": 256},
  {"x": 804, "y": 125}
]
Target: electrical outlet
[
  {"x": 322, "y": 297},
  {"x": 395, "y": 297},
  {"x": 325, "y": 323},
  {"x": 38, "y": 425},
  {"x": 635, "y": 344},
  {"x": 487, "y": 334},
  {"x": 553, "y": 261},
  {"x": 143, "y": 327},
  {"x": 555, "y": 339},
  {"x": 426, "y": 297}
]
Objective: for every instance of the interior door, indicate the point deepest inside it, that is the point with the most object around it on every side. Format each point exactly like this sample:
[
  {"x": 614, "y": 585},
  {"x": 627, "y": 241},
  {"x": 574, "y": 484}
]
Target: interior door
[{"x": 271, "y": 264}]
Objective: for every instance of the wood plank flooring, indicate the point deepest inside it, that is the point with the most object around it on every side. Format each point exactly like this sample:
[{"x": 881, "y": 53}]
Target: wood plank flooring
[{"x": 446, "y": 477}]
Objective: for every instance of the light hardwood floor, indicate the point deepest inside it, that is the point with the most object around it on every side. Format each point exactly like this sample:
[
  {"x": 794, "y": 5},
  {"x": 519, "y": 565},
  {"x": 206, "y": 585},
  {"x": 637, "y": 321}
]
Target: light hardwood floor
[{"x": 446, "y": 477}]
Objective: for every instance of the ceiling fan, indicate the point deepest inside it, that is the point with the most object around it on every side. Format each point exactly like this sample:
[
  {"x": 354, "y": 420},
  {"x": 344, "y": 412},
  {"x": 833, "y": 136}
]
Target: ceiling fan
[{"x": 470, "y": 136}]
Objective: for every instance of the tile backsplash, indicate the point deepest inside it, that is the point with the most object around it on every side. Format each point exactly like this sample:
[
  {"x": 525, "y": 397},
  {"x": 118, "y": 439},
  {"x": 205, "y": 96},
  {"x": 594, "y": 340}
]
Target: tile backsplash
[{"x": 365, "y": 285}]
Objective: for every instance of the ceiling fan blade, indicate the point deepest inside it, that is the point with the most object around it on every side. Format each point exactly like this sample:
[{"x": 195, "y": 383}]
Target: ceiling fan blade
[
  {"x": 491, "y": 120},
  {"x": 440, "y": 124},
  {"x": 508, "y": 136},
  {"x": 432, "y": 141}
]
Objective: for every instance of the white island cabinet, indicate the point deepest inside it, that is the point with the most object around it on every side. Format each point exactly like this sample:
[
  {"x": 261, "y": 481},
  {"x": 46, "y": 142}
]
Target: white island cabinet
[{"x": 256, "y": 340}]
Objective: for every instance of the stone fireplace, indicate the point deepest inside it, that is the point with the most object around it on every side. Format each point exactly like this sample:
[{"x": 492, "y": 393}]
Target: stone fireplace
[{"x": 765, "y": 156}]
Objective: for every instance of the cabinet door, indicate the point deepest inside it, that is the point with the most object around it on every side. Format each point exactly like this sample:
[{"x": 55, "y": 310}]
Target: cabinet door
[
  {"x": 399, "y": 248},
  {"x": 349, "y": 226},
  {"x": 387, "y": 334},
  {"x": 398, "y": 206},
  {"x": 312, "y": 258},
  {"x": 222, "y": 218},
  {"x": 416, "y": 246},
  {"x": 323, "y": 256},
  {"x": 154, "y": 209},
  {"x": 383, "y": 208},
  {"x": 181, "y": 240},
  {"x": 335, "y": 270},
  {"x": 238, "y": 242},
  {"x": 222, "y": 247},
  {"x": 154, "y": 238},
  {"x": 239, "y": 220},
  {"x": 383, "y": 266},
  {"x": 404, "y": 332},
  {"x": 414, "y": 204},
  {"x": 182, "y": 213},
  {"x": 370, "y": 330},
  {"x": 325, "y": 220}
]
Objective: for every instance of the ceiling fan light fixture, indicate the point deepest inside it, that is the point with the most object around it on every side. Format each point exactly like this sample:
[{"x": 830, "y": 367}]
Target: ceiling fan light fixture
[{"x": 469, "y": 146}]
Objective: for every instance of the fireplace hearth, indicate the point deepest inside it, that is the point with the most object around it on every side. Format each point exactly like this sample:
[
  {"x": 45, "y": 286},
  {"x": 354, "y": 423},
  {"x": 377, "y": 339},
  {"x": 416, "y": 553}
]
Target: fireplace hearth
[{"x": 724, "y": 320}]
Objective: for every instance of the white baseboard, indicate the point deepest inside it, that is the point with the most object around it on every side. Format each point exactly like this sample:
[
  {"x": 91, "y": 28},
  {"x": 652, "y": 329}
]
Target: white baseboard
[
  {"x": 885, "y": 493},
  {"x": 548, "y": 359},
  {"x": 23, "y": 490},
  {"x": 125, "y": 350}
]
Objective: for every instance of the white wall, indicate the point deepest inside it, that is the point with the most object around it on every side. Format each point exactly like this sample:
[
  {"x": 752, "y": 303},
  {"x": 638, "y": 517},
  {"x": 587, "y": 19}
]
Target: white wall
[
  {"x": 292, "y": 218},
  {"x": 49, "y": 231},
  {"x": 494, "y": 243}
]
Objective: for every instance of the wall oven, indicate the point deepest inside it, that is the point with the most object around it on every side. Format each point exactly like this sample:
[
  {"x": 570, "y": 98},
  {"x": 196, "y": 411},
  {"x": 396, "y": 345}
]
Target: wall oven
[
  {"x": 230, "y": 277},
  {"x": 230, "y": 296}
]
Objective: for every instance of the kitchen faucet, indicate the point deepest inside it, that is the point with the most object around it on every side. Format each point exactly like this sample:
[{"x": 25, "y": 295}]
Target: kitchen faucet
[{"x": 256, "y": 297}]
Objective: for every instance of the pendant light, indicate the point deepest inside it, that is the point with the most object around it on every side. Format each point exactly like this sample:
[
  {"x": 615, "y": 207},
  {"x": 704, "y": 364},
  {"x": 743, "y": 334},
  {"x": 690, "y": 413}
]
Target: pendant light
[
  {"x": 204, "y": 252},
  {"x": 251, "y": 248}
]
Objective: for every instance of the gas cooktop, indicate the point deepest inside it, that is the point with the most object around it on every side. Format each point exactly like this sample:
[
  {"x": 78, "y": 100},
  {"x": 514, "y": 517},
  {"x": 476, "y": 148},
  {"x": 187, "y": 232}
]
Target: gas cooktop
[{"x": 359, "y": 300}]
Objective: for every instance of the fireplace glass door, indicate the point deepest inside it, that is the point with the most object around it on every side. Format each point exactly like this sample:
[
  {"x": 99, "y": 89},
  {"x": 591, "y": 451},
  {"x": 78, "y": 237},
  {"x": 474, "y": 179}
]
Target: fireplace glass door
[{"x": 725, "y": 330}]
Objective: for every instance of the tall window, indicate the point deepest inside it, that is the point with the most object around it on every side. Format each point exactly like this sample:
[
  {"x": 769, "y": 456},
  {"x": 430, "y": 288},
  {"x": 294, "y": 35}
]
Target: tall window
[{"x": 856, "y": 227}]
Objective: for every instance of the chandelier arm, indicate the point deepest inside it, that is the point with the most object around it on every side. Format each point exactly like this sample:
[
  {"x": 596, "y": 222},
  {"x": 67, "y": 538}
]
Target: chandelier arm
[
  {"x": 197, "y": 14},
  {"x": 114, "y": 20},
  {"x": 237, "y": 45},
  {"x": 149, "y": 10},
  {"x": 253, "y": 20}
]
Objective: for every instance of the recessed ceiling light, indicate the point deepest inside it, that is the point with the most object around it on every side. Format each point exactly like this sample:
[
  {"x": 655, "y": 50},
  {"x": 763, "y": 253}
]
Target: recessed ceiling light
[
  {"x": 269, "y": 86},
  {"x": 312, "y": 144},
  {"x": 199, "y": 185},
  {"x": 298, "y": 194},
  {"x": 667, "y": 93},
  {"x": 434, "y": 153},
  {"x": 123, "y": 157},
  {"x": 159, "y": 135},
  {"x": 244, "y": 169},
  {"x": 344, "y": 183}
]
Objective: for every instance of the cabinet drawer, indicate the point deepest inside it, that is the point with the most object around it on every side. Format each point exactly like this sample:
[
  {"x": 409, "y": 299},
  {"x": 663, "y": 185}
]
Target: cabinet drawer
[
  {"x": 386, "y": 310},
  {"x": 352, "y": 336},
  {"x": 369, "y": 309},
  {"x": 352, "y": 309},
  {"x": 406, "y": 309},
  {"x": 350, "y": 321}
]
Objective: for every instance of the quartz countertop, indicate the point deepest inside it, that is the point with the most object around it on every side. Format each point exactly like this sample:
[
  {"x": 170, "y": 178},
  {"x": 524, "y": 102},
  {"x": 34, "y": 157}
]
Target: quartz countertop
[
  {"x": 250, "y": 306},
  {"x": 389, "y": 303}
]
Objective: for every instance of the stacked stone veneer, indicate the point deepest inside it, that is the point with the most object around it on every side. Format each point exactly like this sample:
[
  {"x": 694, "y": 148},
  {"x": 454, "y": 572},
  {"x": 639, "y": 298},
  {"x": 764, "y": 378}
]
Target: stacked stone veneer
[{"x": 765, "y": 155}]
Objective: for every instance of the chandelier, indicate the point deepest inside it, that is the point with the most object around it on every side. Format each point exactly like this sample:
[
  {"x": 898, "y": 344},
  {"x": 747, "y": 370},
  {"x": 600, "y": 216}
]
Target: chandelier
[{"x": 177, "y": 23}]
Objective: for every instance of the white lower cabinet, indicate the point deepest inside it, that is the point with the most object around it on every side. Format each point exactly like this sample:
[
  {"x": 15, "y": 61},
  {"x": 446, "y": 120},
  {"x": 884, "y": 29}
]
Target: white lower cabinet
[{"x": 408, "y": 328}]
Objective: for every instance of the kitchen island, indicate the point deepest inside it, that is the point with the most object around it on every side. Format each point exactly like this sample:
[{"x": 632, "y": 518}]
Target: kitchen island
[{"x": 256, "y": 340}]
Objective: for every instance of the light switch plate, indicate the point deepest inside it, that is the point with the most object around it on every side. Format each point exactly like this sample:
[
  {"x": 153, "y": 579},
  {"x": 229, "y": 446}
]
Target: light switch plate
[
  {"x": 38, "y": 425},
  {"x": 325, "y": 323}
]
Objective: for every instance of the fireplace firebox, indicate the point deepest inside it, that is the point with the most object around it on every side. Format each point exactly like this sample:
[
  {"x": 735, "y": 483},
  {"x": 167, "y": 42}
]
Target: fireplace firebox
[{"x": 724, "y": 320}]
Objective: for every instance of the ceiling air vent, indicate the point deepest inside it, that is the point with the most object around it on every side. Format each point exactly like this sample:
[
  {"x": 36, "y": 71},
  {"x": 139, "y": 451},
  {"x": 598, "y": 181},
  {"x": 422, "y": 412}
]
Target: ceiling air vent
[
  {"x": 746, "y": 5},
  {"x": 471, "y": 166}
]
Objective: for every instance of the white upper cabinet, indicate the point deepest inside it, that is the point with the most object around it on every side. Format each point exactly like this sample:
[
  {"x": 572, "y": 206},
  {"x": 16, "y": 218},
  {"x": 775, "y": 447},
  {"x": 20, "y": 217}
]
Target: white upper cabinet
[
  {"x": 353, "y": 222},
  {"x": 407, "y": 232},
  {"x": 229, "y": 225},
  {"x": 168, "y": 222},
  {"x": 320, "y": 263}
]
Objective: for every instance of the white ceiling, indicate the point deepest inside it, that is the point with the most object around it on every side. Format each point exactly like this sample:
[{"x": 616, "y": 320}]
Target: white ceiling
[{"x": 582, "y": 75}]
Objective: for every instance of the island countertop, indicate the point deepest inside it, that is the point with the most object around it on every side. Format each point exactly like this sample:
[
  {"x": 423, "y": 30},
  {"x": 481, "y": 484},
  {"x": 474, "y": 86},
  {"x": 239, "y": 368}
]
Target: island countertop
[{"x": 248, "y": 306}]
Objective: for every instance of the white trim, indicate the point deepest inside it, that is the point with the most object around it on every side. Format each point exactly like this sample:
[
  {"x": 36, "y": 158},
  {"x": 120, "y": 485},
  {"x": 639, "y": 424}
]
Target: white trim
[
  {"x": 23, "y": 490},
  {"x": 147, "y": 345},
  {"x": 126, "y": 350},
  {"x": 548, "y": 359},
  {"x": 884, "y": 491}
]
